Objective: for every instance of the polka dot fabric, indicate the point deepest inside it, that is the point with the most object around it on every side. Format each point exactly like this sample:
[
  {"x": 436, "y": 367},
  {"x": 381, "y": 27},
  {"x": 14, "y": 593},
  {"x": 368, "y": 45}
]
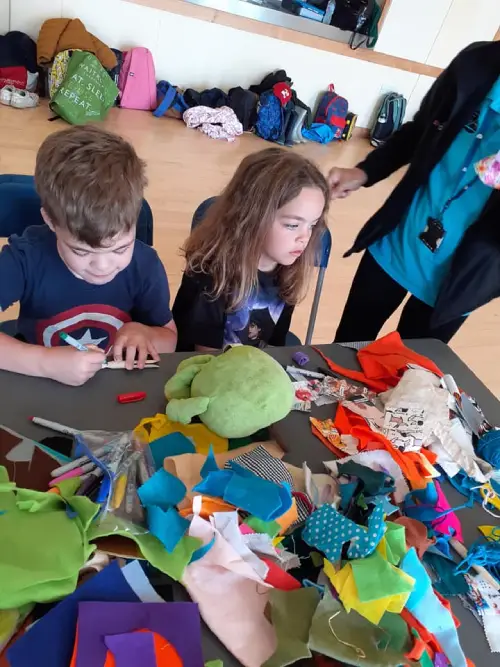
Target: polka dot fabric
[{"x": 327, "y": 530}]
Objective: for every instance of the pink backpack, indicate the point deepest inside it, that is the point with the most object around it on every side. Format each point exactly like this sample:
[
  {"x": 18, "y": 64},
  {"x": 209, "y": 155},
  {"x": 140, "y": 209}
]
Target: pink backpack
[{"x": 137, "y": 82}]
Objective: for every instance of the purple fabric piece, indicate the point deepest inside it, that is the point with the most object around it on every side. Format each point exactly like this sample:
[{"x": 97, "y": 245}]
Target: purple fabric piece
[
  {"x": 440, "y": 660},
  {"x": 177, "y": 622},
  {"x": 132, "y": 649}
]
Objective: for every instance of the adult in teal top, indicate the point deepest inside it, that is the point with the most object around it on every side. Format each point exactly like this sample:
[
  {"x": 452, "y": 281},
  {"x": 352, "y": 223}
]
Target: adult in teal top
[
  {"x": 437, "y": 236},
  {"x": 402, "y": 254}
]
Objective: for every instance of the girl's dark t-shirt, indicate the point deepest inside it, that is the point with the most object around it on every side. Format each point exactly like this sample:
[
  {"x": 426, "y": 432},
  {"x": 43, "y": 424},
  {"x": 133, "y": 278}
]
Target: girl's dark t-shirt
[{"x": 263, "y": 320}]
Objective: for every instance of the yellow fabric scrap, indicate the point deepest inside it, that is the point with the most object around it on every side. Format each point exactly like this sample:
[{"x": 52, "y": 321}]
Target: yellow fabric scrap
[
  {"x": 344, "y": 584},
  {"x": 201, "y": 436}
]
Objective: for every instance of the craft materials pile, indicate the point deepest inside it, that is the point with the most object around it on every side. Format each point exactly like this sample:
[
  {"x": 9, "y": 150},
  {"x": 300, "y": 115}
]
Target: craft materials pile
[{"x": 116, "y": 545}]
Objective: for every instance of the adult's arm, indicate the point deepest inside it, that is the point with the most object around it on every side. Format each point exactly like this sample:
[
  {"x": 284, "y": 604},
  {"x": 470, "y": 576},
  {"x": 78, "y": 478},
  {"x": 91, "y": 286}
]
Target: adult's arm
[{"x": 400, "y": 148}]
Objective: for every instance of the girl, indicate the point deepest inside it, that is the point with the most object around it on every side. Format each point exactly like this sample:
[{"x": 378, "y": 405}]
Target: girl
[{"x": 248, "y": 262}]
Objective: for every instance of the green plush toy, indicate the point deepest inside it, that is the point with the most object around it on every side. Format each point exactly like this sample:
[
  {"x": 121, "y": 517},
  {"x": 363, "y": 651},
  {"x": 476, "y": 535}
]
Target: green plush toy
[{"x": 235, "y": 393}]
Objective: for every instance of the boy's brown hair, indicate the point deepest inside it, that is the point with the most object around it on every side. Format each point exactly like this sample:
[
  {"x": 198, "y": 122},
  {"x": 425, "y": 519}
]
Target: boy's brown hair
[
  {"x": 228, "y": 244},
  {"x": 91, "y": 182}
]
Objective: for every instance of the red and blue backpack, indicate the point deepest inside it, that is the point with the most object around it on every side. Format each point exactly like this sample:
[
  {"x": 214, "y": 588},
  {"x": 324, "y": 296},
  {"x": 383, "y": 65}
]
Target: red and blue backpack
[{"x": 332, "y": 110}]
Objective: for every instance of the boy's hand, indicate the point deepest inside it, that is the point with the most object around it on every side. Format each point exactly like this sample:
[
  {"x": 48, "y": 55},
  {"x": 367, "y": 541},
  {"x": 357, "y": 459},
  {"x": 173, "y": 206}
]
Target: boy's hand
[
  {"x": 71, "y": 366},
  {"x": 136, "y": 341},
  {"x": 344, "y": 181}
]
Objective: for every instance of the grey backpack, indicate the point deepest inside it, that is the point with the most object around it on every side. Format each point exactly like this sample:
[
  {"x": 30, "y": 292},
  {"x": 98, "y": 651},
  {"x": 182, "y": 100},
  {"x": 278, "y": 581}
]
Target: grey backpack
[{"x": 390, "y": 117}]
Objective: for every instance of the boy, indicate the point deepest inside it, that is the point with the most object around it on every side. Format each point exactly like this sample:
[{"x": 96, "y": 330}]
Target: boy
[{"x": 83, "y": 272}]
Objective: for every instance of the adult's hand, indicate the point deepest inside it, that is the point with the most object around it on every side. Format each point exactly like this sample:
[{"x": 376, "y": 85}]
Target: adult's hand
[{"x": 344, "y": 181}]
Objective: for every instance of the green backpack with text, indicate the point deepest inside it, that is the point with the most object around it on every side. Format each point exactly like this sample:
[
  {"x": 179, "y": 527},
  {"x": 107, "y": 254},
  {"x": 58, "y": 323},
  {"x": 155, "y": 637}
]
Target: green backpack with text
[{"x": 87, "y": 91}]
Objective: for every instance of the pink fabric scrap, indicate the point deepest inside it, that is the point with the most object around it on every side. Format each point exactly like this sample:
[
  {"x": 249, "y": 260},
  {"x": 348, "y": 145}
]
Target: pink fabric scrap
[
  {"x": 450, "y": 521},
  {"x": 231, "y": 597},
  {"x": 221, "y": 123}
]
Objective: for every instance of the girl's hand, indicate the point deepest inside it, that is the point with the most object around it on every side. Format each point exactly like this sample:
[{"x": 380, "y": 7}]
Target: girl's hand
[{"x": 135, "y": 340}]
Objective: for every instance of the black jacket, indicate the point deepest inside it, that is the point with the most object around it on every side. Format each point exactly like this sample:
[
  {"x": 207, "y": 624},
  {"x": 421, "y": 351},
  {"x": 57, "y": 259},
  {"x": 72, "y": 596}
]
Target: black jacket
[{"x": 474, "y": 276}]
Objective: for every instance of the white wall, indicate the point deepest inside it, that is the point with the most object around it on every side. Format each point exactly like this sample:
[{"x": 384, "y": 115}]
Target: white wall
[
  {"x": 4, "y": 16},
  {"x": 434, "y": 31},
  {"x": 466, "y": 22},
  {"x": 198, "y": 54}
]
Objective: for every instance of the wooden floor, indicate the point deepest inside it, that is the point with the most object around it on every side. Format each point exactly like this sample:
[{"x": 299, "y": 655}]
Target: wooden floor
[{"x": 185, "y": 167}]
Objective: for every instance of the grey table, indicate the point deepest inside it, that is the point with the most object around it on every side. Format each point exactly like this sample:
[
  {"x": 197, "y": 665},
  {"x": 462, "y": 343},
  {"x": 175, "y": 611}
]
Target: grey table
[{"x": 94, "y": 406}]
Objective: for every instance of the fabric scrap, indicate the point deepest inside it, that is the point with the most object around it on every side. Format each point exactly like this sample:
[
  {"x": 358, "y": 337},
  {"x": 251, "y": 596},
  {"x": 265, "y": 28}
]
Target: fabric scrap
[
  {"x": 428, "y": 609},
  {"x": 374, "y": 482},
  {"x": 172, "y": 444},
  {"x": 221, "y": 123},
  {"x": 27, "y": 572},
  {"x": 328, "y": 530},
  {"x": 152, "y": 428},
  {"x": 162, "y": 490},
  {"x": 177, "y": 622},
  {"x": 350, "y": 638},
  {"x": 291, "y": 616},
  {"x": 227, "y": 525},
  {"x": 231, "y": 598},
  {"x": 374, "y": 610},
  {"x": 167, "y": 526},
  {"x": 415, "y": 534}
]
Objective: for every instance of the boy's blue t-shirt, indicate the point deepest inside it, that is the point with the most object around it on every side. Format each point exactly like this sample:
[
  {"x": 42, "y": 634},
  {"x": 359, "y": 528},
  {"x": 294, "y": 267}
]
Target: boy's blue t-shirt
[
  {"x": 401, "y": 253},
  {"x": 53, "y": 300}
]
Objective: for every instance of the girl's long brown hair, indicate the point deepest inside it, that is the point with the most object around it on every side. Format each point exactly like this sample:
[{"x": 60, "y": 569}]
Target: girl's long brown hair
[{"x": 229, "y": 242}]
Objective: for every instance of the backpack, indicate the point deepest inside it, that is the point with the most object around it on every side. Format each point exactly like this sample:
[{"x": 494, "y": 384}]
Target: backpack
[
  {"x": 87, "y": 92},
  {"x": 332, "y": 110},
  {"x": 137, "y": 82},
  {"x": 353, "y": 15},
  {"x": 170, "y": 101},
  {"x": 390, "y": 117},
  {"x": 270, "y": 117}
]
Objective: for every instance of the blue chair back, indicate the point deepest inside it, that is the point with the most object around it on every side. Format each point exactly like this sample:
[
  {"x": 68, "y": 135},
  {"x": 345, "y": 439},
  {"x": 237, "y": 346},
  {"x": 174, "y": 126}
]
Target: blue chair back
[{"x": 20, "y": 208}]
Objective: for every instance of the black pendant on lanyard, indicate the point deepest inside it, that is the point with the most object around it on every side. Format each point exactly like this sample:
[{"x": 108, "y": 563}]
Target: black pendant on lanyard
[{"x": 434, "y": 231}]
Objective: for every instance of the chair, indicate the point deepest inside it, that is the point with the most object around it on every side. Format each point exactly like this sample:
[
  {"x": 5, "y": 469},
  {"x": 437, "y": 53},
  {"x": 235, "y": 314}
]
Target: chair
[
  {"x": 322, "y": 258},
  {"x": 20, "y": 208}
]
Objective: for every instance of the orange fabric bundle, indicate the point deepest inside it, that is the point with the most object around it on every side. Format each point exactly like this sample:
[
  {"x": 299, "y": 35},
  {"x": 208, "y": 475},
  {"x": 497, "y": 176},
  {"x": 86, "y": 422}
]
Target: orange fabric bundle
[
  {"x": 411, "y": 464},
  {"x": 383, "y": 362}
]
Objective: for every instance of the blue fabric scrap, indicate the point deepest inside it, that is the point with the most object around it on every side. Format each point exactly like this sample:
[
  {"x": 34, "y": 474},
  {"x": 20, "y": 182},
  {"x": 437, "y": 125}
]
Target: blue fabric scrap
[
  {"x": 162, "y": 490},
  {"x": 172, "y": 444},
  {"x": 327, "y": 530},
  {"x": 210, "y": 464},
  {"x": 167, "y": 526}
]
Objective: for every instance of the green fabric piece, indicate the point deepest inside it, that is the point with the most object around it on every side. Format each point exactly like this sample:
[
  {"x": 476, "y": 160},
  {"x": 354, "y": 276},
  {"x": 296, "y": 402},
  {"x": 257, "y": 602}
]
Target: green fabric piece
[
  {"x": 351, "y": 639},
  {"x": 375, "y": 578},
  {"x": 397, "y": 636},
  {"x": 68, "y": 487},
  {"x": 396, "y": 542},
  {"x": 152, "y": 549},
  {"x": 42, "y": 548},
  {"x": 214, "y": 663},
  {"x": 448, "y": 582},
  {"x": 375, "y": 482},
  {"x": 291, "y": 616},
  {"x": 244, "y": 390},
  {"x": 270, "y": 528}
]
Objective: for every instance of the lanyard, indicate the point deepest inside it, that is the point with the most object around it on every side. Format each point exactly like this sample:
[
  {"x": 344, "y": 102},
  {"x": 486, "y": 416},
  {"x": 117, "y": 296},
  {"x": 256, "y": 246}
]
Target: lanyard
[{"x": 485, "y": 126}]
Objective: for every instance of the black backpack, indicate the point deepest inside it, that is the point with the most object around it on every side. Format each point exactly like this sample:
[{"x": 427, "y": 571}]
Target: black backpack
[{"x": 354, "y": 16}]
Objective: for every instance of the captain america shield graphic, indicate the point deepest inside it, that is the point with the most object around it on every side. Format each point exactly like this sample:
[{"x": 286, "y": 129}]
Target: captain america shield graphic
[{"x": 92, "y": 324}]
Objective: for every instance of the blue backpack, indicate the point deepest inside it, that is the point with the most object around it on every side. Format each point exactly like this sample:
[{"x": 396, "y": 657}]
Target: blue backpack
[
  {"x": 170, "y": 101},
  {"x": 332, "y": 111},
  {"x": 270, "y": 117}
]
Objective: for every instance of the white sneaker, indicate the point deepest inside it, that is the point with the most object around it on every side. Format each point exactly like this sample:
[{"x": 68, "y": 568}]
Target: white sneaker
[
  {"x": 21, "y": 99},
  {"x": 6, "y": 95}
]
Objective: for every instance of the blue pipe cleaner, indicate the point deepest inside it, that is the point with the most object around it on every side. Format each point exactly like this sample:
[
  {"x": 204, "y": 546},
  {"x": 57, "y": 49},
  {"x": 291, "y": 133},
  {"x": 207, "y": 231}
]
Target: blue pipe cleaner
[{"x": 485, "y": 554}]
